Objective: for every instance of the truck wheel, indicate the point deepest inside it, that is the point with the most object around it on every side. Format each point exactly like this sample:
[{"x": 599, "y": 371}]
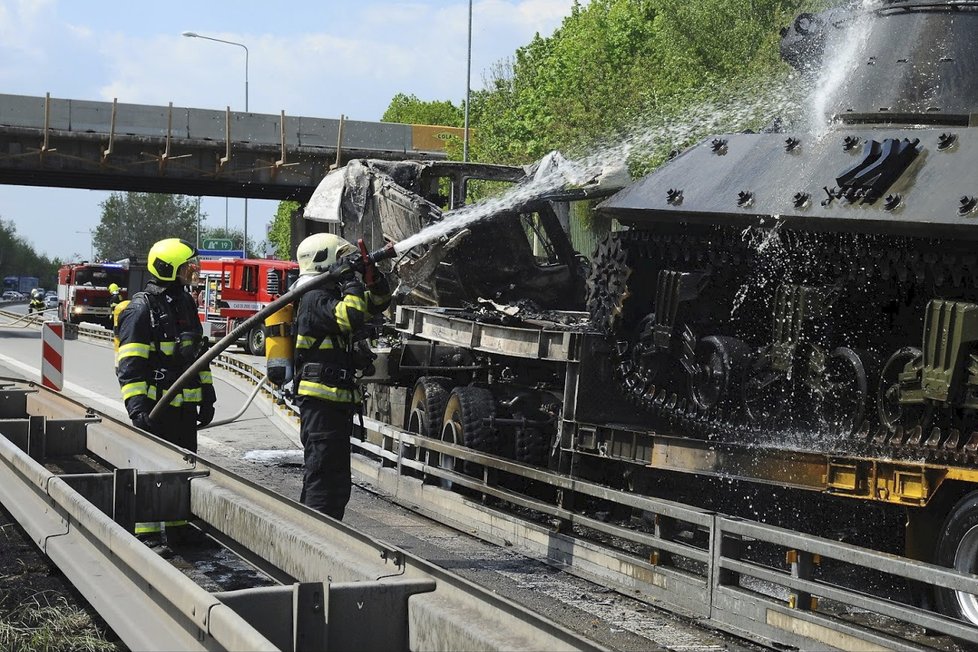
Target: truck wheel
[
  {"x": 256, "y": 341},
  {"x": 957, "y": 548},
  {"x": 426, "y": 411},
  {"x": 428, "y": 405},
  {"x": 531, "y": 446},
  {"x": 463, "y": 424}
]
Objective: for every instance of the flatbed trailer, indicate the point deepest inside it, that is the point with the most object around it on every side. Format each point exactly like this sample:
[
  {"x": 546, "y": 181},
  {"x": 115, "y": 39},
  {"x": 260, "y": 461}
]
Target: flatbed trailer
[{"x": 533, "y": 391}]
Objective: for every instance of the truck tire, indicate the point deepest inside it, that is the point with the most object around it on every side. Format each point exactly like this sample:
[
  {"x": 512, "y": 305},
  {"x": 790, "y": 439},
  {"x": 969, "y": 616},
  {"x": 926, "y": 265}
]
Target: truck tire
[
  {"x": 464, "y": 424},
  {"x": 255, "y": 343},
  {"x": 957, "y": 548},
  {"x": 428, "y": 405},
  {"x": 426, "y": 411}
]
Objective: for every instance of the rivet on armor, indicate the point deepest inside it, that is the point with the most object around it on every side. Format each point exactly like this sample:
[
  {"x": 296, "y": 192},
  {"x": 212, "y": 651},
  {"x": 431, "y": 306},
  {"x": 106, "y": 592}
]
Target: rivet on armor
[
  {"x": 674, "y": 196},
  {"x": 850, "y": 142},
  {"x": 790, "y": 144},
  {"x": 719, "y": 145},
  {"x": 946, "y": 141},
  {"x": 745, "y": 198},
  {"x": 892, "y": 201},
  {"x": 968, "y": 204},
  {"x": 800, "y": 199}
]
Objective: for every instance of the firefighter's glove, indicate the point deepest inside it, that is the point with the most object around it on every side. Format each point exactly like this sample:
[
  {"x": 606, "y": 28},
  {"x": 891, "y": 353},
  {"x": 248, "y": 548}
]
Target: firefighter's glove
[
  {"x": 351, "y": 285},
  {"x": 205, "y": 414},
  {"x": 142, "y": 421},
  {"x": 381, "y": 284}
]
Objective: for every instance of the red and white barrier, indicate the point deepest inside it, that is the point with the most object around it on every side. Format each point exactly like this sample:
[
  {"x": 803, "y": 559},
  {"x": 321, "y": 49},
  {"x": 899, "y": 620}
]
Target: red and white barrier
[{"x": 52, "y": 354}]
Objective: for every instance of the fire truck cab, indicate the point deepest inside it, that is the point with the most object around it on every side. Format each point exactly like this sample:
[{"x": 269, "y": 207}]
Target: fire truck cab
[
  {"x": 83, "y": 291},
  {"x": 233, "y": 289}
]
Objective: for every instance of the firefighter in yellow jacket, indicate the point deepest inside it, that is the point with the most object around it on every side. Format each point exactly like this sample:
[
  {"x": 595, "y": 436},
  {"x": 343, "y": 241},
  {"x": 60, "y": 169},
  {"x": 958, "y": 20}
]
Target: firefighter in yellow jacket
[
  {"x": 330, "y": 321},
  {"x": 160, "y": 336}
]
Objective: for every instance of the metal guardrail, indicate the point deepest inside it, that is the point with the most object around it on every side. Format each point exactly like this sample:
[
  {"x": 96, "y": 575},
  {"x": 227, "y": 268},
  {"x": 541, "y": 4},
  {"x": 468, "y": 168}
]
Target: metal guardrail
[
  {"x": 712, "y": 578},
  {"x": 343, "y": 589}
]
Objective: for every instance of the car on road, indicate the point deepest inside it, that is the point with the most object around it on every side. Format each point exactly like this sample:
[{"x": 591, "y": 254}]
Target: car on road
[
  {"x": 11, "y": 295},
  {"x": 51, "y": 301}
]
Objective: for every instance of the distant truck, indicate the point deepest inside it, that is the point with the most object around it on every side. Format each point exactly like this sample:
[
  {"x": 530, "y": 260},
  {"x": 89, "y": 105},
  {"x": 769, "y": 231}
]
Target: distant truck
[
  {"x": 22, "y": 284},
  {"x": 83, "y": 291},
  {"x": 233, "y": 289}
]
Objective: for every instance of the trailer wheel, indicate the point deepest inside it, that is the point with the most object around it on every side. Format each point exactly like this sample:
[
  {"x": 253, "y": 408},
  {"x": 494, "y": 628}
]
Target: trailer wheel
[
  {"x": 428, "y": 405},
  {"x": 256, "y": 341},
  {"x": 464, "y": 425},
  {"x": 957, "y": 548},
  {"x": 531, "y": 446},
  {"x": 426, "y": 411}
]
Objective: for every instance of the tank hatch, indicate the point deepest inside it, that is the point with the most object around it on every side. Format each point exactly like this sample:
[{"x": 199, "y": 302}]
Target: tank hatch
[{"x": 910, "y": 62}]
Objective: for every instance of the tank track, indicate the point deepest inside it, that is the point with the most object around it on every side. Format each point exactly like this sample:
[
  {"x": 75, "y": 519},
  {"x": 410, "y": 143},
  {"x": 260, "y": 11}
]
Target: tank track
[{"x": 891, "y": 270}]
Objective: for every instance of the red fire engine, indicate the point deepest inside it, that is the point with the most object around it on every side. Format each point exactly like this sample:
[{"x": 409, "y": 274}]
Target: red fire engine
[
  {"x": 233, "y": 289},
  {"x": 83, "y": 291}
]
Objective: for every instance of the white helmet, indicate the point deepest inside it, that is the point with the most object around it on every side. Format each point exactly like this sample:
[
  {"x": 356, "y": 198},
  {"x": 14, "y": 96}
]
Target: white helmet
[{"x": 318, "y": 252}]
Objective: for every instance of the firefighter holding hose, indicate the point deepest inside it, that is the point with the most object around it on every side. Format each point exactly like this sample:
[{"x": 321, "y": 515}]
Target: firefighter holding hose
[
  {"x": 160, "y": 337},
  {"x": 330, "y": 322}
]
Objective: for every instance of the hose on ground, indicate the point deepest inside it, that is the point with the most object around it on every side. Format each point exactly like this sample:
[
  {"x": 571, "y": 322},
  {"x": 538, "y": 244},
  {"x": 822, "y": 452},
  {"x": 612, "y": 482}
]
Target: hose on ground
[{"x": 244, "y": 407}]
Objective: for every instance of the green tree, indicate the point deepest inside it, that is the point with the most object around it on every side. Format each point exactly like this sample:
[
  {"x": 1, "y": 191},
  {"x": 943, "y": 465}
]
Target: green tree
[
  {"x": 408, "y": 109},
  {"x": 18, "y": 257},
  {"x": 280, "y": 234},
  {"x": 131, "y": 222}
]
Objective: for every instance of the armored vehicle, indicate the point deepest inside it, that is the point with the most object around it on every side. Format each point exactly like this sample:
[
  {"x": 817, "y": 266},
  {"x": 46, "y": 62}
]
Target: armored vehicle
[{"x": 819, "y": 289}]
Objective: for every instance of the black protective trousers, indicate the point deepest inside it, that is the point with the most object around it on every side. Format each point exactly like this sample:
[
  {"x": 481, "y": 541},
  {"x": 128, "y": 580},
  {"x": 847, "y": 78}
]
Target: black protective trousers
[
  {"x": 178, "y": 425},
  {"x": 325, "y": 429}
]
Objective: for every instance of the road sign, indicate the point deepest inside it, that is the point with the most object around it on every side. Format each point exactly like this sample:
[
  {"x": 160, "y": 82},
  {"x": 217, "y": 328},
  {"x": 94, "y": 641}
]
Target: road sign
[
  {"x": 220, "y": 244},
  {"x": 220, "y": 253}
]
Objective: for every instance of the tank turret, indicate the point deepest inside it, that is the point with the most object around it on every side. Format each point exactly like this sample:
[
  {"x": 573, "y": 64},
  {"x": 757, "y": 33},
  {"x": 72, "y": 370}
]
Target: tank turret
[{"x": 816, "y": 286}]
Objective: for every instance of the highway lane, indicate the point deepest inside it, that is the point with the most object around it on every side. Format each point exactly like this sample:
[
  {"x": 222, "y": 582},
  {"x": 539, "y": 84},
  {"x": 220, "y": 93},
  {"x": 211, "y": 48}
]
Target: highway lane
[{"x": 89, "y": 377}]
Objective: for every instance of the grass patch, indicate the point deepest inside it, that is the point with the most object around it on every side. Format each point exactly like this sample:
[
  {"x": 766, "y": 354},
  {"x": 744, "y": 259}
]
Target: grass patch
[{"x": 47, "y": 623}]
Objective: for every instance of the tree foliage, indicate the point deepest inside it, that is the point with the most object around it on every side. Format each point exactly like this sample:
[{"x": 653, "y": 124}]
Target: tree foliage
[
  {"x": 18, "y": 257},
  {"x": 613, "y": 65},
  {"x": 408, "y": 109},
  {"x": 131, "y": 222},
  {"x": 280, "y": 233}
]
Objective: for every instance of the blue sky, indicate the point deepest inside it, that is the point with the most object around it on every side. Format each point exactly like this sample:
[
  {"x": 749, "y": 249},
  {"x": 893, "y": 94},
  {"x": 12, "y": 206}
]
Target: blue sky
[{"x": 314, "y": 58}]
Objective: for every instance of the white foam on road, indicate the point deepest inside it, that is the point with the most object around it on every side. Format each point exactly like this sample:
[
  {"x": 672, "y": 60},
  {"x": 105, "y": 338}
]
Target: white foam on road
[{"x": 274, "y": 456}]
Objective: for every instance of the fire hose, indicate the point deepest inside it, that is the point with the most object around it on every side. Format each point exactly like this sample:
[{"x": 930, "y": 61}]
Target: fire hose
[{"x": 361, "y": 261}]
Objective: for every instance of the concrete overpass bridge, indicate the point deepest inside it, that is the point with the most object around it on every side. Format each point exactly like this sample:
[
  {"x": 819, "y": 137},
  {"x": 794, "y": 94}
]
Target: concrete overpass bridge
[{"x": 64, "y": 143}]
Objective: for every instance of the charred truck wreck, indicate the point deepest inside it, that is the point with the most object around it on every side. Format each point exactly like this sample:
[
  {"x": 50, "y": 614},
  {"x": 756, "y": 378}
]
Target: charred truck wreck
[{"x": 797, "y": 309}]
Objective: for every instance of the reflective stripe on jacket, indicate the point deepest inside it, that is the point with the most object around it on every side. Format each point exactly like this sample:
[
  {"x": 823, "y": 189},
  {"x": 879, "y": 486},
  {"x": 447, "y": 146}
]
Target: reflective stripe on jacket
[
  {"x": 151, "y": 354},
  {"x": 332, "y": 320}
]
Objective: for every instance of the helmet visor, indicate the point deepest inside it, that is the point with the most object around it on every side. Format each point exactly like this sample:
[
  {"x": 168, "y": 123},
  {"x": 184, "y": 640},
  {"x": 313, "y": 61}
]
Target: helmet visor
[{"x": 189, "y": 272}]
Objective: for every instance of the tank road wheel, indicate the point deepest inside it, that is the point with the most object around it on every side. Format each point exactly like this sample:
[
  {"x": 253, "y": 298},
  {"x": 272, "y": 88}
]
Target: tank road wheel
[
  {"x": 957, "y": 547},
  {"x": 765, "y": 391},
  {"x": 846, "y": 390},
  {"x": 464, "y": 425},
  {"x": 719, "y": 361},
  {"x": 894, "y": 414},
  {"x": 426, "y": 411},
  {"x": 256, "y": 341}
]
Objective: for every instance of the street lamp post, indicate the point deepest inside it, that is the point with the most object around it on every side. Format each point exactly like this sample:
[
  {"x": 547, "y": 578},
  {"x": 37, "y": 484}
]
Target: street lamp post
[
  {"x": 468, "y": 86},
  {"x": 244, "y": 244},
  {"x": 91, "y": 244}
]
